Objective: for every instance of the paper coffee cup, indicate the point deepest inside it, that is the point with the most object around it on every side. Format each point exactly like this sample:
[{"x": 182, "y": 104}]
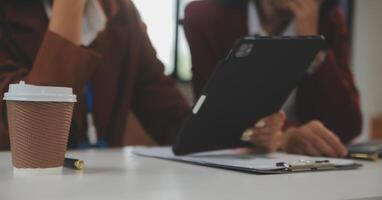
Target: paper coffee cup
[{"x": 39, "y": 121}]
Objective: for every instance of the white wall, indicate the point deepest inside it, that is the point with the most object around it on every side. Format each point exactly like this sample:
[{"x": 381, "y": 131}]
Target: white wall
[{"x": 367, "y": 57}]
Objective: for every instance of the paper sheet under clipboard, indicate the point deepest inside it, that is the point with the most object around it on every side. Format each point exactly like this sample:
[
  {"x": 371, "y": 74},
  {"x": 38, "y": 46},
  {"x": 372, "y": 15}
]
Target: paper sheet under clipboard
[{"x": 250, "y": 163}]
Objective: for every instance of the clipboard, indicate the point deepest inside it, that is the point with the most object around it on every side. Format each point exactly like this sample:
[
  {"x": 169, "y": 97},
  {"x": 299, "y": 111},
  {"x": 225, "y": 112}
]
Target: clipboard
[{"x": 274, "y": 163}]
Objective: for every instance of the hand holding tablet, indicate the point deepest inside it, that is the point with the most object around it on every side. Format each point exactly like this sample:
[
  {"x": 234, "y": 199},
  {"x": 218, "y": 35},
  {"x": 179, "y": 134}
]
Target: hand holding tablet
[{"x": 266, "y": 133}]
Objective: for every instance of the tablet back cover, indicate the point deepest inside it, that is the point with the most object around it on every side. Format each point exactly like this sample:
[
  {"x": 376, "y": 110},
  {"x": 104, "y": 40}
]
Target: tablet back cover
[{"x": 253, "y": 82}]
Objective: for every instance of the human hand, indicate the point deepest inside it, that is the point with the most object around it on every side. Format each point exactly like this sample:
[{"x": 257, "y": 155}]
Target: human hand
[
  {"x": 313, "y": 139},
  {"x": 306, "y": 15},
  {"x": 266, "y": 133}
]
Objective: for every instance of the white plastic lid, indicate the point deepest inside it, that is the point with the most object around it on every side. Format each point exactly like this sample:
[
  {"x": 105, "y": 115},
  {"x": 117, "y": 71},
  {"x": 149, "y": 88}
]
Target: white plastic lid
[{"x": 26, "y": 92}]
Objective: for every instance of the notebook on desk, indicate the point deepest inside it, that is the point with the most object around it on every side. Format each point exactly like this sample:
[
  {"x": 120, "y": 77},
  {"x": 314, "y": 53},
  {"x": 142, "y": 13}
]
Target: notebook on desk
[{"x": 274, "y": 163}]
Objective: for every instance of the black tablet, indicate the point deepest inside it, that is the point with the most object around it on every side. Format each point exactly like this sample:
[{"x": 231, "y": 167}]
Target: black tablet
[{"x": 252, "y": 82}]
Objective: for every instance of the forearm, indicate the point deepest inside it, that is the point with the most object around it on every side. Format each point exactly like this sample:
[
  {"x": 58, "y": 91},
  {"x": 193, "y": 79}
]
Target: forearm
[
  {"x": 60, "y": 60},
  {"x": 66, "y": 19}
]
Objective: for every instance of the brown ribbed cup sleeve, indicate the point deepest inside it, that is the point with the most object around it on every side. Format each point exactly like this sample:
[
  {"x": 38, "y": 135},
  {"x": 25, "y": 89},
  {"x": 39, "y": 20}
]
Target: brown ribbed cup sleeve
[{"x": 38, "y": 133}]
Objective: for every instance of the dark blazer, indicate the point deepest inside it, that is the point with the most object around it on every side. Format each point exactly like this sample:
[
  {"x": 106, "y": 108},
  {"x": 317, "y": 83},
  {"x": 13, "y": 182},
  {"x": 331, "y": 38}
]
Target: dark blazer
[
  {"x": 329, "y": 95},
  {"x": 121, "y": 64}
]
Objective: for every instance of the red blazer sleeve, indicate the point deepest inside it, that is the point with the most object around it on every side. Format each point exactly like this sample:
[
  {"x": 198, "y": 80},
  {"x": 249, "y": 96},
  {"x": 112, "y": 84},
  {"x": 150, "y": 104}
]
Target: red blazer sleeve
[
  {"x": 202, "y": 53},
  {"x": 330, "y": 94},
  {"x": 157, "y": 102},
  {"x": 58, "y": 63}
]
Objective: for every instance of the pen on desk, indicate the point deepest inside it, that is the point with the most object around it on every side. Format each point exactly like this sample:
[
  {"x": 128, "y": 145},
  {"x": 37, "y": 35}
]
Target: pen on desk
[
  {"x": 74, "y": 163},
  {"x": 364, "y": 156}
]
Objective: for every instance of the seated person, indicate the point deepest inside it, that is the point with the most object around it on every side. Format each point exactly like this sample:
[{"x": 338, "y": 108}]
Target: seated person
[
  {"x": 99, "y": 48},
  {"x": 325, "y": 109}
]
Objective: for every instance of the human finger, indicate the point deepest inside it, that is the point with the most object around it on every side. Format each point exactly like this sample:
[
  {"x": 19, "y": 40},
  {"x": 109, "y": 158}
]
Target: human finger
[{"x": 330, "y": 138}]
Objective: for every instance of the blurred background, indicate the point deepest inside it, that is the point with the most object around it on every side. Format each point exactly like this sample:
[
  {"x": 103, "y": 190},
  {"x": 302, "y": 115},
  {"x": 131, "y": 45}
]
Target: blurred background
[{"x": 363, "y": 17}]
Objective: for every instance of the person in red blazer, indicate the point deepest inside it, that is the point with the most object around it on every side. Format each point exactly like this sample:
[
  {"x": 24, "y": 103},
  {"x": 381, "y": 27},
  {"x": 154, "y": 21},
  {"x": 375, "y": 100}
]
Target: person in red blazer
[
  {"x": 42, "y": 42},
  {"x": 325, "y": 109}
]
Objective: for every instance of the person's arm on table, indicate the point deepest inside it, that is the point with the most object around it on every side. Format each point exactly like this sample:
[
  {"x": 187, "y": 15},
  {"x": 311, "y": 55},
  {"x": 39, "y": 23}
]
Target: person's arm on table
[
  {"x": 328, "y": 95},
  {"x": 313, "y": 139},
  {"x": 60, "y": 60}
]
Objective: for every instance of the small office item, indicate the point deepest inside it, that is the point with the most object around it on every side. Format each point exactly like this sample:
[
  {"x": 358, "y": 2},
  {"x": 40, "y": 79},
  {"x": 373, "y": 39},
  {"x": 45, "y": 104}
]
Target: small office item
[
  {"x": 366, "y": 150},
  {"x": 376, "y": 127},
  {"x": 72, "y": 163},
  {"x": 364, "y": 156},
  {"x": 308, "y": 165},
  {"x": 254, "y": 81},
  {"x": 273, "y": 163},
  {"x": 91, "y": 132},
  {"x": 91, "y": 129}
]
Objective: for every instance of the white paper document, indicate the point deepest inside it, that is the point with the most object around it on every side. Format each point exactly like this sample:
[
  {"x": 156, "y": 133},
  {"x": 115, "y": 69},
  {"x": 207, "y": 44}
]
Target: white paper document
[{"x": 233, "y": 159}]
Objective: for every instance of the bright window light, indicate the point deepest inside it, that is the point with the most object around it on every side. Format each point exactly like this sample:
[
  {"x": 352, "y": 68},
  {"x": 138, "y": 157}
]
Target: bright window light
[{"x": 159, "y": 16}]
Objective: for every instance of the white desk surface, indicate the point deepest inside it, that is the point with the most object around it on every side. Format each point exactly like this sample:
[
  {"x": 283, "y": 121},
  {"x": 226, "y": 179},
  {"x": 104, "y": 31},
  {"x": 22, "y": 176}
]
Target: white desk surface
[{"x": 118, "y": 174}]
